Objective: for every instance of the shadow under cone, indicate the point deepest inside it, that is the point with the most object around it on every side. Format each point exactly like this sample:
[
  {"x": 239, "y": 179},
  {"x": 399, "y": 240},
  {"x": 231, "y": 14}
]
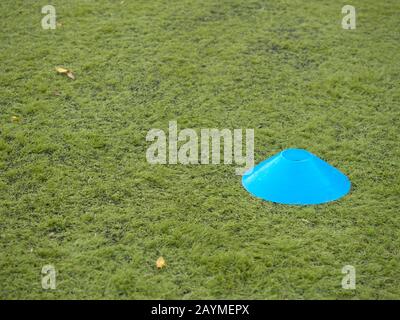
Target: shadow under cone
[{"x": 296, "y": 176}]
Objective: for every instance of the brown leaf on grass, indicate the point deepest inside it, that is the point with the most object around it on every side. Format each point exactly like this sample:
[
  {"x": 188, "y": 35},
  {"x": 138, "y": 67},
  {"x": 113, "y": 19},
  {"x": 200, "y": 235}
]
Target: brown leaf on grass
[
  {"x": 65, "y": 71},
  {"x": 160, "y": 263}
]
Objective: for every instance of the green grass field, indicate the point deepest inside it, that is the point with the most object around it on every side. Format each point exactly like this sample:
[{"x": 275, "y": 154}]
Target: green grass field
[{"x": 77, "y": 192}]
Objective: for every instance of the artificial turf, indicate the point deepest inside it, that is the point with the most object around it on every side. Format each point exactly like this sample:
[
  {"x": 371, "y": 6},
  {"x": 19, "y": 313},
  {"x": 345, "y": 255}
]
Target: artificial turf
[{"x": 77, "y": 192}]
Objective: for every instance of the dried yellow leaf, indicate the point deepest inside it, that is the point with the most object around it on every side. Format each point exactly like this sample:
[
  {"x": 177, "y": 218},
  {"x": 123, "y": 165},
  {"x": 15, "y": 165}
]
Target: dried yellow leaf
[
  {"x": 160, "y": 263},
  {"x": 70, "y": 75},
  {"x": 15, "y": 119},
  {"x": 65, "y": 71},
  {"x": 62, "y": 70}
]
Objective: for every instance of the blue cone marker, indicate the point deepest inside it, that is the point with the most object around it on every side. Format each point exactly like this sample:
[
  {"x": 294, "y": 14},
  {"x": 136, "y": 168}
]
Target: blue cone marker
[{"x": 296, "y": 176}]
